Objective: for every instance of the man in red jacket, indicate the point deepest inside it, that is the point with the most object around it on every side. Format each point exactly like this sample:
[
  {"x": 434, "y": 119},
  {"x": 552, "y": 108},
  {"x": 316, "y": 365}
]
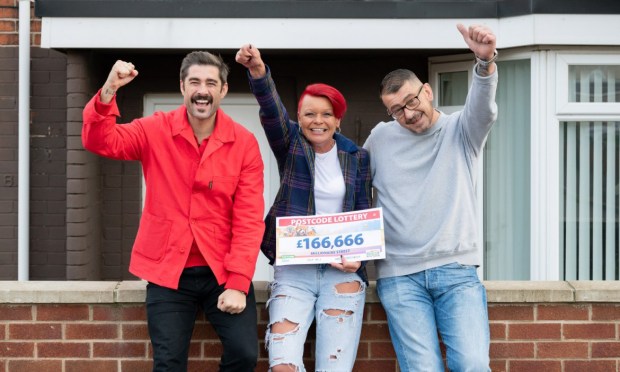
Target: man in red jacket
[{"x": 202, "y": 222}]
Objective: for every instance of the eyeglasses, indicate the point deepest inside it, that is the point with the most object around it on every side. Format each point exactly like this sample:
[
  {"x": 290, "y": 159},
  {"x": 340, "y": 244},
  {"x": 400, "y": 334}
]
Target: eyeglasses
[{"x": 412, "y": 104}]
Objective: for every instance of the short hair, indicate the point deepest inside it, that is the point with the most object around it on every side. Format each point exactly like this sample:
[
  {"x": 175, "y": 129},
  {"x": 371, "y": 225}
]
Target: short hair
[
  {"x": 395, "y": 80},
  {"x": 204, "y": 59},
  {"x": 339, "y": 104}
]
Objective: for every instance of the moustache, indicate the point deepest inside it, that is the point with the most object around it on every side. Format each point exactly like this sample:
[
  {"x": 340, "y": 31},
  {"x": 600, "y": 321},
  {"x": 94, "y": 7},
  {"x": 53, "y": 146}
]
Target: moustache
[{"x": 413, "y": 119}]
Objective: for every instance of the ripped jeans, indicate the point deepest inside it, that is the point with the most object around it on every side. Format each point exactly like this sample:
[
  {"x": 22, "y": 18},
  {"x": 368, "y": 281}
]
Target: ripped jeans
[{"x": 302, "y": 293}]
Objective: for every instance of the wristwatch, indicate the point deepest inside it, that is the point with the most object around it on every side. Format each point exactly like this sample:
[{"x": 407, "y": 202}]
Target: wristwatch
[{"x": 486, "y": 64}]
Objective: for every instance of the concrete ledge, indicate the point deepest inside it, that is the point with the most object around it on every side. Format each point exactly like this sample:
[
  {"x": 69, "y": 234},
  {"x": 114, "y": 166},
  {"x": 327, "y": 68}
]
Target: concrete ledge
[
  {"x": 596, "y": 291},
  {"x": 529, "y": 291},
  {"x": 134, "y": 291},
  {"x": 57, "y": 292}
]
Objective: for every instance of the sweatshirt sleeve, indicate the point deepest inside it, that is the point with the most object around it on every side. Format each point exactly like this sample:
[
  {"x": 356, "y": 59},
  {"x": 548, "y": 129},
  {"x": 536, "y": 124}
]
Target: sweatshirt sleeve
[{"x": 480, "y": 111}]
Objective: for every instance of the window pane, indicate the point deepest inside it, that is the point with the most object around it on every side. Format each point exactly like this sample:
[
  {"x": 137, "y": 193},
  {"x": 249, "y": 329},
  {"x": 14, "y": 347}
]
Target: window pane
[
  {"x": 589, "y": 204},
  {"x": 507, "y": 178},
  {"x": 453, "y": 90},
  {"x": 593, "y": 83}
]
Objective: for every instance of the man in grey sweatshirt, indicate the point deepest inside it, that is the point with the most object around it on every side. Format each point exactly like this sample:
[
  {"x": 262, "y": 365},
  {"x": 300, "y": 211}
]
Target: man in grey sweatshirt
[{"x": 424, "y": 166}]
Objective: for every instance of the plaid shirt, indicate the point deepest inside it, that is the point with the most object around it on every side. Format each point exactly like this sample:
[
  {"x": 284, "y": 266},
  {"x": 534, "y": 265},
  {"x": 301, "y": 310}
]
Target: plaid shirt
[{"x": 295, "y": 158}]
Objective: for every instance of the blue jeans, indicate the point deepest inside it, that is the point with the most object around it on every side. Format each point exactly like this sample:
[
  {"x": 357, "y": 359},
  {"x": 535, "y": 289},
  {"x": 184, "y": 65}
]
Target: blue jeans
[
  {"x": 302, "y": 293},
  {"x": 171, "y": 315},
  {"x": 449, "y": 299}
]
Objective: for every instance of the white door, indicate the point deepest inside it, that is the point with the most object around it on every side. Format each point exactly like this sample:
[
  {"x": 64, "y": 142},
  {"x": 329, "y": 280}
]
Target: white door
[{"x": 243, "y": 109}]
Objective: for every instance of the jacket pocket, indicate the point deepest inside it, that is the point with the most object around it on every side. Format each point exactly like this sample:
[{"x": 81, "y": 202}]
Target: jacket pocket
[
  {"x": 226, "y": 185},
  {"x": 152, "y": 238}
]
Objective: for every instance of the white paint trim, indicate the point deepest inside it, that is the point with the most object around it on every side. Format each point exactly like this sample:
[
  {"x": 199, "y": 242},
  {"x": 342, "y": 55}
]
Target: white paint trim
[
  {"x": 230, "y": 33},
  {"x": 550, "y": 180},
  {"x": 23, "y": 166}
]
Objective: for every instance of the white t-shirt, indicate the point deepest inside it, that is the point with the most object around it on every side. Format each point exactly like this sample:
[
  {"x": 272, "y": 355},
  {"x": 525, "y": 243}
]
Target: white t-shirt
[{"x": 329, "y": 186}]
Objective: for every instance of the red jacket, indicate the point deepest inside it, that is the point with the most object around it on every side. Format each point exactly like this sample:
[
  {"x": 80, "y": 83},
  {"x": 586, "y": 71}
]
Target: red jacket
[{"x": 216, "y": 200}]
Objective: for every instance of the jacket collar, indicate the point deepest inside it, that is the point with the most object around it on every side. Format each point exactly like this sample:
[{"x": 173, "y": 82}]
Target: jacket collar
[{"x": 345, "y": 144}]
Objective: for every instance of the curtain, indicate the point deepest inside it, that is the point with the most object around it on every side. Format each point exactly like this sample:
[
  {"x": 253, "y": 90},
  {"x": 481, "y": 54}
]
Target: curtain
[
  {"x": 507, "y": 178},
  {"x": 589, "y": 176}
]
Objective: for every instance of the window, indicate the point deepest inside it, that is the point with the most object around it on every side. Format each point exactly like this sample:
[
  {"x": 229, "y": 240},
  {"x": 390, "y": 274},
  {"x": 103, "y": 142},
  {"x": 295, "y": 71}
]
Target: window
[
  {"x": 589, "y": 145},
  {"x": 504, "y": 172},
  {"x": 507, "y": 177}
]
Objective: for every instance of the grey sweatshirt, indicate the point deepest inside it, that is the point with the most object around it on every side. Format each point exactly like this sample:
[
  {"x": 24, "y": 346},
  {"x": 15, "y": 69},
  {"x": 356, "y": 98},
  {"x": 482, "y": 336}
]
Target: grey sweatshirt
[{"x": 426, "y": 185}]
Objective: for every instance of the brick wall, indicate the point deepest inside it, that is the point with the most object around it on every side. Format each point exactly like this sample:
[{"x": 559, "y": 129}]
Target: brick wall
[
  {"x": 100, "y": 326},
  {"x": 47, "y": 151},
  {"x": 9, "y": 26}
]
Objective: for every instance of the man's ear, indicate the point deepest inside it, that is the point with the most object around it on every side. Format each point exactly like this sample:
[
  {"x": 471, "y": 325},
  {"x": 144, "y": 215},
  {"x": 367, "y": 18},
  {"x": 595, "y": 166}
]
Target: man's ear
[
  {"x": 182, "y": 87},
  {"x": 429, "y": 91},
  {"x": 224, "y": 90}
]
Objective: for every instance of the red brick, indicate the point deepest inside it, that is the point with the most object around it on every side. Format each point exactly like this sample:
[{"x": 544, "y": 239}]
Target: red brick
[
  {"x": 8, "y": 13},
  {"x": 382, "y": 350},
  {"x": 46, "y": 331},
  {"x": 35, "y": 365},
  {"x": 8, "y": 39},
  {"x": 262, "y": 351},
  {"x": 558, "y": 350},
  {"x": 8, "y": 26},
  {"x": 136, "y": 365},
  {"x": 309, "y": 363},
  {"x": 511, "y": 312},
  {"x": 135, "y": 331},
  {"x": 16, "y": 312},
  {"x": 363, "y": 351},
  {"x": 498, "y": 331},
  {"x": 119, "y": 349},
  {"x": 606, "y": 312},
  {"x": 195, "y": 348},
  {"x": 562, "y": 312},
  {"x": 534, "y": 366},
  {"x": 119, "y": 313},
  {"x": 263, "y": 315},
  {"x": 35, "y": 26},
  {"x": 499, "y": 365},
  {"x": 372, "y": 332},
  {"x": 91, "y": 365},
  {"x": 7, "y": 3},
  {"x": 606, "y": 350},
  {"x": 203, "y": 365},
  {"x": 534, "y": 331},
  {"x": 212, "y": 349},
  {"x": 2, "y": 333},
  {"x": 375, "y": 365},
  {"x": 590, "y": 331},
  {"x": 262, "y": 331},
  {"x": 16, "y": 349},
  {"x": 511, "y": 350},
  {"x": 85, "y": 331},
  {"x": 589, "y": 365},
  {"x": 63, "y": 350},
  {"x": 62, "y": 312},
  {"x": 262, "y": 365},
  {"x": 375, "y": 312}
]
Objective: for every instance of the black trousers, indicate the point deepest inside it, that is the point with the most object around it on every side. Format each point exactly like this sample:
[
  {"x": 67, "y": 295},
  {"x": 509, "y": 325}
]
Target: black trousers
[{"x": 171, "y": 315}]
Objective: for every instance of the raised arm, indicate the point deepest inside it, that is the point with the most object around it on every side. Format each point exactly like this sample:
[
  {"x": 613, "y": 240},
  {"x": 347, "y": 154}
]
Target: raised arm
[
  {"x": 273, "y": 115},
  {"x": 100, "y": 134}
]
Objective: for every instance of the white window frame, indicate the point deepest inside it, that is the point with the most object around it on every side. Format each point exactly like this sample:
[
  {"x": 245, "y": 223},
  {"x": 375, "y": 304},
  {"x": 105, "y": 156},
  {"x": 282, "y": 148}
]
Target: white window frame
[
  {"x": 563, "y": 106},
  {"x": 561, "y": 110}
]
